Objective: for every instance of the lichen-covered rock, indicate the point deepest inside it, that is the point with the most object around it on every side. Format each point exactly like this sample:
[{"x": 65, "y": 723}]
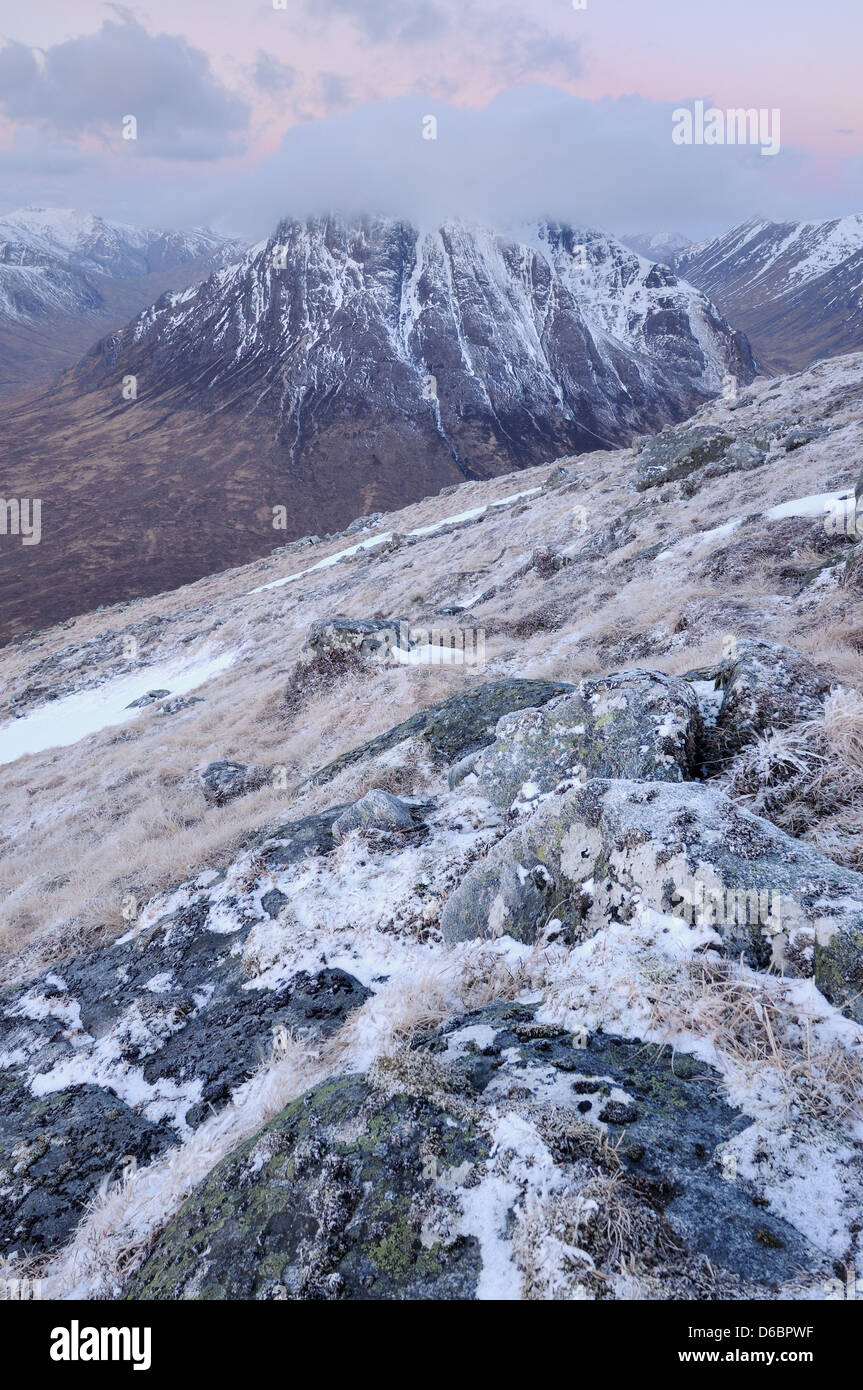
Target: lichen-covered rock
[
  {"x": 113, "y": 1057},
  {"x": 377, "y": 810},
  {"x": 740, "y": 457},
  {"x": 639, "y": 724},
  {"x": 460, "y": 725},
  {"x": 371, "y": 638},
  {"x": 766, "y": 686},
  {"x": 224, "y": 780},
  {"x": 597, "y": 853},
  {"x": 497, "y": 1157},
  {"x": 678, "y": 451}
]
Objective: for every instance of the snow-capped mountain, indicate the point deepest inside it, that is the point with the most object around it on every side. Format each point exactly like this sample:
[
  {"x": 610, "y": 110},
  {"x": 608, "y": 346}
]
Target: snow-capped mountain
[
  {"x": 491, "y": 350},
  {"x": 343, "y": 369},
  {"x": 63, "y": 271},
  {"x": 796, "y": 288},
  {"x": 53, "y": 258},
  {"x": 657, "y": 246}
]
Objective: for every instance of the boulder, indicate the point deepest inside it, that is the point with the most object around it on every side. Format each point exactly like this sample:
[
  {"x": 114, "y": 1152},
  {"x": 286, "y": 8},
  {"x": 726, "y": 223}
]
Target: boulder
[
  {"x": 460, "y": 725},
  {"x": 766, "y": 686},
  {"x": 800, "y": 435},
  {"x": 601, "y": 851},
  {"x": 377, "y": 810},
  {"x": 497, "y": 1157},
  {"x": 678, "y": 451},
  {"x": 639, "y": 724},
  {"x": 371, "y": 638},
  {"x": 224, "y": 780},
  {"x": 740, "y": 457}
]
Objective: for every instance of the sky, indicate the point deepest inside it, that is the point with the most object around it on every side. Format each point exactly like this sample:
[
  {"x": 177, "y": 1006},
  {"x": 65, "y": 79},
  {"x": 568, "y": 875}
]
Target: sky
[{"x": 248, "y": 111}]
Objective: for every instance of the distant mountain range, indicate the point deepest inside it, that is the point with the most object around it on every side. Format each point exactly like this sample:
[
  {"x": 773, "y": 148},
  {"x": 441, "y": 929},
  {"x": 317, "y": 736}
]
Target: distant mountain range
[
  {"x": 795, "y": 288},
  {"x": 66, "y": 277},
  {"x": 657, "y": 246},
  {"x": 338, "y": 369}
]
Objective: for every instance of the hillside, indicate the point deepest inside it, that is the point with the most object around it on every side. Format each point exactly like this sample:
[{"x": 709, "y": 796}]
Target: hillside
[
  {"x": 300, "y": 915},
  {"x": 795, "y": 288}
]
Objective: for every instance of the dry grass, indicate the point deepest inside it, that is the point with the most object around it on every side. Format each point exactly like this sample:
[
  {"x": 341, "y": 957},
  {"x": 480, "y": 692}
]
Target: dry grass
[
  {"x": 121, "y": 812},
  {"x": 809, "y": 779},
  {"x": 756, "y": 1025}
]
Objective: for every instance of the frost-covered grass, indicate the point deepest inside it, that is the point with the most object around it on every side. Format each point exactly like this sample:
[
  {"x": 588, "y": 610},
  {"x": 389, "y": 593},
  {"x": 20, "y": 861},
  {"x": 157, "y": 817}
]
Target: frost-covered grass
[
  {"x": 787, "y": 1059},
  {"x": 120, "y": 812}
]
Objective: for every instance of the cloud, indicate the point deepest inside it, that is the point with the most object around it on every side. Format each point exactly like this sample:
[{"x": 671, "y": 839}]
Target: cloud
[
  {"x": 334, "y": 92},
  {"x": 387, "y": 21},
  {"x": 533, "y": 151},
  {"x": 270, "y": 75},
  {"x": 86, "y": 85}
]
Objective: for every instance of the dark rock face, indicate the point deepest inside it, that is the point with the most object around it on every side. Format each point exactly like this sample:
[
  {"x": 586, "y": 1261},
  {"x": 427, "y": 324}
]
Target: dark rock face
[
  {"x": 161, "y": 1022},
  {"x": 364, "y": 1187}
]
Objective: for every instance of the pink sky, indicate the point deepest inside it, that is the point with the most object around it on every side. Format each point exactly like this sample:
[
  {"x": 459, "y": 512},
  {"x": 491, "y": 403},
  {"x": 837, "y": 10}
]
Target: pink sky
[{"x": 343, "y": 54}]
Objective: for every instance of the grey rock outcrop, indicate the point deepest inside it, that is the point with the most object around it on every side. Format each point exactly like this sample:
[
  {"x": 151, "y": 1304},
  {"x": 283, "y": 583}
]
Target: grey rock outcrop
[
  {"x": 365, "y": 1187},
  {"x": 600, "y": 851},
  {"x": 639, "y": 724}
]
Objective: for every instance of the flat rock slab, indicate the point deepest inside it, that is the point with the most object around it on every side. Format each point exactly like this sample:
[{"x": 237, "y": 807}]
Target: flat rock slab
[
  {"x": 414, "y": 1183},
  {"x": 120, "y": 1052}
]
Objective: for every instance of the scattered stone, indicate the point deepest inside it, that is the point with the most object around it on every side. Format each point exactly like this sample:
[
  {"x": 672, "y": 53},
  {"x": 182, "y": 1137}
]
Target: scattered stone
[
  {"x": 364, "y": 523},
  {"x": 149, "y": 699}
]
